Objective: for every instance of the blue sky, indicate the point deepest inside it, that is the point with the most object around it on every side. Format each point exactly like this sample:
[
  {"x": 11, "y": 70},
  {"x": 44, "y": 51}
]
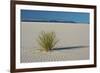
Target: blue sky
[{"x": 37, "y": 15}]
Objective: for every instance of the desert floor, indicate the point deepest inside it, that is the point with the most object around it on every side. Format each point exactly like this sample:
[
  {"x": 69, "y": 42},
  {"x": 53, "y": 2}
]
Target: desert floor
[{"x": 73, "y": 42}]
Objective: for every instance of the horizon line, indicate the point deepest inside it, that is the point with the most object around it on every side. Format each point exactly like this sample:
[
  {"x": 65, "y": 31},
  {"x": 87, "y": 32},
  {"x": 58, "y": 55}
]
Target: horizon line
[{"x": 61, "y": 21}]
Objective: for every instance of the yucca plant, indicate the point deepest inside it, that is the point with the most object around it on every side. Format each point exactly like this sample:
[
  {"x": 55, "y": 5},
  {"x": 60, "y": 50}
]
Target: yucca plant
[{"x": 47, "y": 40}]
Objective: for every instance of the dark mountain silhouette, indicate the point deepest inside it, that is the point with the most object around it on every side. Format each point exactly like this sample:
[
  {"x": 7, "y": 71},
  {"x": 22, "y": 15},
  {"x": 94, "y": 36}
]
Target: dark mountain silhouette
[{"x": 59, "y": 21}]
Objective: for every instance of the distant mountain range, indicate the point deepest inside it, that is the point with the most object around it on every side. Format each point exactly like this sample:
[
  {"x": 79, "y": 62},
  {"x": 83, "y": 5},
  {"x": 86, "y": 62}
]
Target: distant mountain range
[{"x": 57, "y": 21}]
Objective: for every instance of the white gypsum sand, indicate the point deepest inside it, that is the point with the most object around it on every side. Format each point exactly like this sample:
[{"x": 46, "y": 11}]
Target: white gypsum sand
[{"x": 73, "y": 40}]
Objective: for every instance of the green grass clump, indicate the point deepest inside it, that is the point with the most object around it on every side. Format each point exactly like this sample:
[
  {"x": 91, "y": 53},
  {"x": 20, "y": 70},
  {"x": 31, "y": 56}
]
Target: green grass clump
[{"x": 47, "y": 40}]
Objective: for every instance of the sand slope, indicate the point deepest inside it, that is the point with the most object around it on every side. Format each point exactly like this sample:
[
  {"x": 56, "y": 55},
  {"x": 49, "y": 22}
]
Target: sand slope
[{"x": 69, "y": 35}]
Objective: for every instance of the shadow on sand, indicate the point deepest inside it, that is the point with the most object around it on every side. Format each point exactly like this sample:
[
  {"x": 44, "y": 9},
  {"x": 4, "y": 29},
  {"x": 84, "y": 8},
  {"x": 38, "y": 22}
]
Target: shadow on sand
[{"x": 71, "y": 47}]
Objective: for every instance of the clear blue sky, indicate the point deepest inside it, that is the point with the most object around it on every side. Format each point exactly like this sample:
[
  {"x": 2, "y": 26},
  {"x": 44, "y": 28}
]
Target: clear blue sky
[{"x": 32, "y": 15}]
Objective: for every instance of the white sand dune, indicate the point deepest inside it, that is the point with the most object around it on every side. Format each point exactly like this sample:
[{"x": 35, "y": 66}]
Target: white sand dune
[{"x": 69, "y": 35}]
